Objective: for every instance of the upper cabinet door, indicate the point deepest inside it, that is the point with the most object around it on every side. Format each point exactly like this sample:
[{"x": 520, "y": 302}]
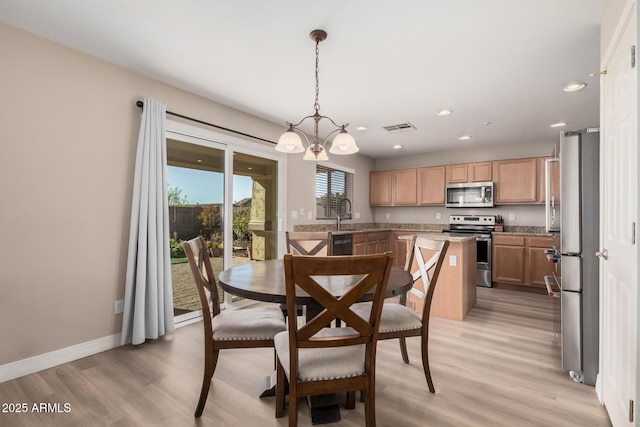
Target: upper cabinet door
[
  {"x": 380, "y": 188},
  {"x": 515, "y": 181},
  {"x": 456, "y": 173},
  {"x": 469, "y": 172},
  {"x": 480, "y": 172},
  {"x": 431, "y": 183},
  {"x": 404, "y": 190}
]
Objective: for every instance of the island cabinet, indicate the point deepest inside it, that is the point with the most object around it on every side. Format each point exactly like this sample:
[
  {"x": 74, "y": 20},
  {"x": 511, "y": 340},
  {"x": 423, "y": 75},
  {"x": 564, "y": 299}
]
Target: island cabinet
[
  {"x": 469, "y": 172},
  {"x": 431, "y": 183},
  {"x": 380, "y": 188},
  {"x": 515, "y": 181},
  {"x": 367, "y": 243},
  {"x": 519, "y": 262},
  {"x": 455, "y": 292}
]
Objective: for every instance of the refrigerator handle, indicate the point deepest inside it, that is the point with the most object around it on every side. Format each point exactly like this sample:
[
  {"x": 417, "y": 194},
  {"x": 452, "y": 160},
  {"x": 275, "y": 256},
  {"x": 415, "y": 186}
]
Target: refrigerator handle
[{"x": 549, "y": 204}]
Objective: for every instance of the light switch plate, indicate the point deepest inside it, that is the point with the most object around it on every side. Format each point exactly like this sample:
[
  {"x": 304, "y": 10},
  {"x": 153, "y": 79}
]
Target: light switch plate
[
  {"x": 453, "y": 260},
  {"x": 310, "y": 215}
]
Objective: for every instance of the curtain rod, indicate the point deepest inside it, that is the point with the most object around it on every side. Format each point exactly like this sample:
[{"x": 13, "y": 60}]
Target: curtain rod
[{"x": 140, "y": 104}]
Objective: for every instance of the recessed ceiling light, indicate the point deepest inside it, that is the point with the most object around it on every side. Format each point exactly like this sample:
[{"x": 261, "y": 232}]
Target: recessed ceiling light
[
  {"x": 199, "y": 160},
  {"x": 397, "y": 147},
  {"x": 444, "y": 112},
  {"x": 362, "y": 128},
  {"x": 572, "y": 87},
  {"x": 465, "y": 137},
  {"x": 558, "y": 125}
]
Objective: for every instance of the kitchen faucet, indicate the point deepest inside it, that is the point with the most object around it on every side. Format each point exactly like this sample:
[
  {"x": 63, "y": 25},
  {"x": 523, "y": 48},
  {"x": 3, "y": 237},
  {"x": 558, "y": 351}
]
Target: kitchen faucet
[{"x": 347, "y": 212}]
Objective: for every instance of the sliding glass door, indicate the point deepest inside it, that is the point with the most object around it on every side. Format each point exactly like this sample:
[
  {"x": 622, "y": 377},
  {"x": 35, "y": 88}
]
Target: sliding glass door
[{"x": 230, "y": 197}]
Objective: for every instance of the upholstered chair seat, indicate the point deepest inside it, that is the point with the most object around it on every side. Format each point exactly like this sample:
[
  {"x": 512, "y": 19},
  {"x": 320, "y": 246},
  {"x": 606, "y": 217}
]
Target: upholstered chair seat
[{"x": 254, "y": 324}]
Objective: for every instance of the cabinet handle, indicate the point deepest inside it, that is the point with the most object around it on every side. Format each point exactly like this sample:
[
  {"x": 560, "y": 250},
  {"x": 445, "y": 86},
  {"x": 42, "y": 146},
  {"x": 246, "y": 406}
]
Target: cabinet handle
[{"x": 603, "y": 254}]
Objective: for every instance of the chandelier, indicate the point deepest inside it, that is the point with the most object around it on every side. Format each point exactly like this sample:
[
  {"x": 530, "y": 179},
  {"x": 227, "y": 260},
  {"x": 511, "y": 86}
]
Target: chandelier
[{"x": 290, "y": 141}]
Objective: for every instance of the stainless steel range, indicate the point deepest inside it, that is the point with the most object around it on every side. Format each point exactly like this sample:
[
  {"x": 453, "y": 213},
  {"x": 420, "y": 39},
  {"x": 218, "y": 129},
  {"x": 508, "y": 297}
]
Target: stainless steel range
[{"x": 483, "y": 226}]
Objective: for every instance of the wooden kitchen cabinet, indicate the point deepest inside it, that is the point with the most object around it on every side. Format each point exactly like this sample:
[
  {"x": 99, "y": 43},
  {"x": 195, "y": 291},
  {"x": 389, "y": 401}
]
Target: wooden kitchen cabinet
[
  {"x": 431, "y": 184},
  {"x": 404, "y": 187},
  {"x": 538, "y": 264},
  {"x": 469, "y": 172},
  {"x": 515, "y": 181},
  {"x": 456, "y": 173},
  {"x": 370, "y": 243},
  {"x": 480, "y": 171},
  {"x": 508, "y": 259},
  {"x": 380, "y": 188},
  {"x": 521, "y": 261}
]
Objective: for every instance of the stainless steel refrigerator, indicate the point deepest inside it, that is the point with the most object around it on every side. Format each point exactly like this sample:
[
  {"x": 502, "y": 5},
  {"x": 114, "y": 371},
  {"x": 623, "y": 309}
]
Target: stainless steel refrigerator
[{"x": 577, "y": 207}]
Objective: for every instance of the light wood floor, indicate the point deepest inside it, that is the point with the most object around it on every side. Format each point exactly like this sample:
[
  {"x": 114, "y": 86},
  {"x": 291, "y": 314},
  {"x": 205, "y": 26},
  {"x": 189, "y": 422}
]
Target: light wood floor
[{"x": 498, "y": 368}]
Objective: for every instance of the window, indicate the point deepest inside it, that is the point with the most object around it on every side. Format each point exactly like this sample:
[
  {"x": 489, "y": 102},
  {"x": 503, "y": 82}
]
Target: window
[{"x": 334, "y": 191}]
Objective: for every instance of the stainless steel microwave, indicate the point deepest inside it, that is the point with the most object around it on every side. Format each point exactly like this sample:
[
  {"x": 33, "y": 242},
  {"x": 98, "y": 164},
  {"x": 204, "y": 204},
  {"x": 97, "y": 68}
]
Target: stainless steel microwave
[{"x": 470, "y": 195}]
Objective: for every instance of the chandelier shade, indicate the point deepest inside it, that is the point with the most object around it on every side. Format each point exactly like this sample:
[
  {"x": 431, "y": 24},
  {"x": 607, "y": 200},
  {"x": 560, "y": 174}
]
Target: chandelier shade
[{"x": 290, "y": 141}]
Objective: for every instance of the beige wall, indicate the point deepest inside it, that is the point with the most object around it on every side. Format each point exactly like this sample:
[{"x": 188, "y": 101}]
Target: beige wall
[{"x": 69, "y": 132}]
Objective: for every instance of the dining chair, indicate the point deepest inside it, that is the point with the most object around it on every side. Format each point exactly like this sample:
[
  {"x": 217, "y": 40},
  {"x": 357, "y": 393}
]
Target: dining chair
[
  {"x": 400, "y": 321},
  {"x": 316, "y": 243},
  {"x": 320, "y": 360},
  {"x": 243, "y": 328}
]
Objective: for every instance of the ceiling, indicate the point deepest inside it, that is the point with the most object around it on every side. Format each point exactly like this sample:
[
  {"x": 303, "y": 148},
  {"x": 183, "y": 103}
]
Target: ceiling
[{"x": 499, "y": 65}]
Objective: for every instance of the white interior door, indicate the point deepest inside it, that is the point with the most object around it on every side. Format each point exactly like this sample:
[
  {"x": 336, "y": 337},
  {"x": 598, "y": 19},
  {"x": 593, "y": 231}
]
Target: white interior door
[{"x": 620, "y": 212}]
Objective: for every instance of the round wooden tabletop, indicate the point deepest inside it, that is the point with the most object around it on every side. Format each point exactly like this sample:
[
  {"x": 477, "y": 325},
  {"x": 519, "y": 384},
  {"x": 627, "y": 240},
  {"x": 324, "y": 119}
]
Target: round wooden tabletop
[{"x": 264, "y": 281}]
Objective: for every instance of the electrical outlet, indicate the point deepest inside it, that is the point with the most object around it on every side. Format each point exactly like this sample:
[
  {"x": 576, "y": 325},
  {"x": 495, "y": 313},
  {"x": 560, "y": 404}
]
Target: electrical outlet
[
  {"x": 438, "y": 215},
  {"x": 453, "y": 260},
  {"x": 119, "y": 306},
  {"x": 512, "y": 216},
  {"x": 294, "y": 214},
  {"x": 387, "y": 215},
  {"x": 310, "y": 214},
  {"x": 357, "y": 215},
  {"x": 301, "y": 210}
]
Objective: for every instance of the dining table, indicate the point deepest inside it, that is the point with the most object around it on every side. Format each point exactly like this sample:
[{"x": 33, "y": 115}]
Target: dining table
[{"x": 264, "y": 281}]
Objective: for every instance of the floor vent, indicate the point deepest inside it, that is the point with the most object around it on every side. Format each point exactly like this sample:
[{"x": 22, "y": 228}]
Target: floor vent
[{"x": 402, "y": 127}]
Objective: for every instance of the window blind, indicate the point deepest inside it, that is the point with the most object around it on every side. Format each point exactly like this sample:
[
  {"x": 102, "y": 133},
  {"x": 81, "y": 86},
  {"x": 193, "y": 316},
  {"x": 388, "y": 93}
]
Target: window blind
[{"x": 332, "y": 187}]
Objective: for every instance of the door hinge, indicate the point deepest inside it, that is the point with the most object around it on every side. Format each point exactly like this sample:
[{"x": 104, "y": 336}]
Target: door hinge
[
  {"x": 633, "y": 56},
  {"x": 633, "y": 233},
  {"x": 630, "y": 411}
]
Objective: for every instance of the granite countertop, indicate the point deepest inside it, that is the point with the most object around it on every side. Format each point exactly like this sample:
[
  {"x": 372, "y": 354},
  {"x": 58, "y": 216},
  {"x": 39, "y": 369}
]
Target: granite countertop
[
  {"x": 433, "y": 235},
  {"x": 431, "y": 229}
]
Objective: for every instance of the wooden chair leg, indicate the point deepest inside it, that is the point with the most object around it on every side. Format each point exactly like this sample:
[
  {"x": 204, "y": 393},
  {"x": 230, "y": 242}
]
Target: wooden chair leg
[
  {"x": 403, "y": 349},
  {"x": 280, "y": 386},
  {"x": 209, "y": 369},
  {"x": 293, "y": 410},
  {"x": 370, "y": 407},
  {"x": 425, "y": 364},
  {"x": 351, "y": 400}
]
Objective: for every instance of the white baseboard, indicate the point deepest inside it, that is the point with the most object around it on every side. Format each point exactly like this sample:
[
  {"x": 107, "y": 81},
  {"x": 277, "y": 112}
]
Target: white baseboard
[{"x": 33, "y": 364}]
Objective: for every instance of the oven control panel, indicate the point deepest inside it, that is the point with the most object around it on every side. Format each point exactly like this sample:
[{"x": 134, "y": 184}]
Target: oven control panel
[{"x": 489, "y": 220}]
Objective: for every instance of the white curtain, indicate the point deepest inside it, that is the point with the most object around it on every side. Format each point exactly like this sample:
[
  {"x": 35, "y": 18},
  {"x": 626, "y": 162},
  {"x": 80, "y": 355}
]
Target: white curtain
[{"x": 148, "y": 299}]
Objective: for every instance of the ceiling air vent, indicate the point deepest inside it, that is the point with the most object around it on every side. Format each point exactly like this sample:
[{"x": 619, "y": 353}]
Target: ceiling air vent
[{"x": 402, "y": 127}]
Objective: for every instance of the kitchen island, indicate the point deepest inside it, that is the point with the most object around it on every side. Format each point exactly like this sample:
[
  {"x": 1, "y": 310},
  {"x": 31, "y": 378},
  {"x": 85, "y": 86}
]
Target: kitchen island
[{"x": 455, "y": 293}]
